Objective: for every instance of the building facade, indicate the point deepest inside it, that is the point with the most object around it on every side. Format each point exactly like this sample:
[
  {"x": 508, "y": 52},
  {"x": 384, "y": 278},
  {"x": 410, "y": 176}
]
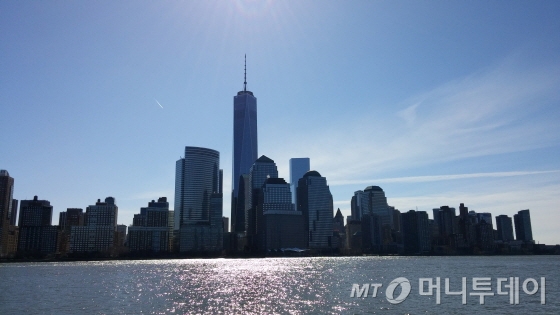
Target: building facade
[
  {"x": 198, "y": 202},
  {"x": 523, "y": 230},
  {"x": 150, "y": 231},
  {"x": 372, "y": 200},
  {"x": 504, "y": 226},
  {"x": 98, "y": 233},
  {"x": 245, "y": 147},
  {"x": 416, "y": 232},
  {"x": 6, "y": 197},
  {"x": 36, "y": 234},
  {"x": 196, "y": 179},
  {"x": 262, "y": 169},
  {"x": 316, "y": 204},
  {"x": 278, "y": 225},
  {"x": 298, "y": 168}
]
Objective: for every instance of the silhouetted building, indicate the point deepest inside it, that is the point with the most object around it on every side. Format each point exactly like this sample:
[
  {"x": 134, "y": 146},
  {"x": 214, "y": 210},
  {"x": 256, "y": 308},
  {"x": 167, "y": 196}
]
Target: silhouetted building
[
  {"x": 466, "y": 228},
  {"x": 239, "y": 205},
  {"x": 353, "y": 237},
  {"x": 484, "y": 216},
  {"x": 504, "y": 227},
  {"x": 279, "y": 226},
  {"x": 67, "y": 219},
  {"x": 444, "y": 217},
  {"x": 485, "y": 236},
  {"x": 13, "y": 214},
  {"x": 372, "y": 233},
  {"x": 316, "y": 204},
  {"x": 523, "y": 230},
  {"x": 298, "y": 168},
  {"x": 416, "y": 232},
  {"x": 372, "y": 201},
  {"x": 225, "y": 224},
  {"x": 245, "y": 148},
  {"x": 338, "y": 222},
  {"x": 6, "y": 194},
  {"x": 36, "y": 234},
  {"x": 262, "y": 169},
  {"x": 70, "y": 217}
]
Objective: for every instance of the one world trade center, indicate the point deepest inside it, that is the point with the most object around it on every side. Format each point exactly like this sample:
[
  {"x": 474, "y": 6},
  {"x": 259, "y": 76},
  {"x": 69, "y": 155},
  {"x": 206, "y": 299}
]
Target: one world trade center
[{"x": 244, "y": 149}]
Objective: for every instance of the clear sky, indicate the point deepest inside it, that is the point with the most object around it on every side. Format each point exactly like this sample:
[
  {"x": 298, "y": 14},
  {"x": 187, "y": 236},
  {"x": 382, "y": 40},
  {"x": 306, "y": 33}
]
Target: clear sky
[{"x": 437, "y": 102}]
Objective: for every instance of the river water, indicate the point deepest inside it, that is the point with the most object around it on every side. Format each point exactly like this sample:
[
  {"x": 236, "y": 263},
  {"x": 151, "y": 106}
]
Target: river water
[{"x": 318, "y": 285}]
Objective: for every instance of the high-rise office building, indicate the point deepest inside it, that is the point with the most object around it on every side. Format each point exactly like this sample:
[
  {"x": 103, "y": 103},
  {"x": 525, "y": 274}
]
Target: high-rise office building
[
  {"x": 372, "y": 201},
  {"x": 262, "y": 169},
  {"x": 36, "y": 234},
  {"x": 245, "y": 147},
  {"x": 279, "y": 226},
  {"x": 444, "y": 217},
  {"x": 416, "y": 232},
  {"x": 6, "y": 194},
  {"x": 298, "y": 168},
  {"x": 504, "y": 228},
  {"x": 523, "y": 230},
  {"x": 198, "y": 202},
  {"x": 316, "y": 204},
  {"x": 196, "y": 179}
]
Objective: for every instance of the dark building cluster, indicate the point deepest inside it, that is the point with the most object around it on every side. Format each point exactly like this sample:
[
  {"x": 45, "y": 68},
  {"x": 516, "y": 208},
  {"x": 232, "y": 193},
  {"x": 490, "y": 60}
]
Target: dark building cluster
[{"x": 269, "y": 216}]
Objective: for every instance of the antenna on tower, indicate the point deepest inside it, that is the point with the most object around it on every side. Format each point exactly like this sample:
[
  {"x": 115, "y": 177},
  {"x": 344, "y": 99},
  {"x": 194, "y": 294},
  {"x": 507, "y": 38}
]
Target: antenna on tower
[{"x": 245, "y": 82}]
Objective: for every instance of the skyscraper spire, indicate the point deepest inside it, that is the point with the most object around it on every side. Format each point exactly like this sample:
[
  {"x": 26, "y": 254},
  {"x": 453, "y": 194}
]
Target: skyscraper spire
[{"x": 245, "y": 82}]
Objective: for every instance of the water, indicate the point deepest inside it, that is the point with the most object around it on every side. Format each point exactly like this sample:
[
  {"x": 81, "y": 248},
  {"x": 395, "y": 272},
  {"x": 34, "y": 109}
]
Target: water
[{"x": 319, "y": 285}]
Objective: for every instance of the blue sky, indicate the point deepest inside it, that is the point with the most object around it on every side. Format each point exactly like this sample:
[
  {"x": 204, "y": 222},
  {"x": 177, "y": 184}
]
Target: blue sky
[{"x": 437, "y": 102}]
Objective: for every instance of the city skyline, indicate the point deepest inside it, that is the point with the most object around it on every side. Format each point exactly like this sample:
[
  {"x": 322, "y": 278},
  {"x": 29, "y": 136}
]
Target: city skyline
[{"x": 438, "y": 105}]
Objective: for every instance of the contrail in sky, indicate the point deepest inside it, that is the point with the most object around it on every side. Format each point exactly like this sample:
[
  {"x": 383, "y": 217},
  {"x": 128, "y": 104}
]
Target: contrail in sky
[{"x": 158, "y": 103}]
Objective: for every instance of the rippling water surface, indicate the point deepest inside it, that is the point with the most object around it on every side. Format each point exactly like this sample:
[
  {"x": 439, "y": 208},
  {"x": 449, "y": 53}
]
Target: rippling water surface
[{"x": 267, "y": 286}]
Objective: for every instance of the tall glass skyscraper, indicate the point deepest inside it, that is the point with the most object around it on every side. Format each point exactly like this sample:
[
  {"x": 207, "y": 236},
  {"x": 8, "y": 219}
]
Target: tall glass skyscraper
[
  {"x": 196, "y": 179},
  {"x": 523, "y": 230},
  {"x": 244, "y": 146},
  {"x": 198, "y": 201},
  {"x": 298, "y": 168},
  {"x": 316, "y": 204}
]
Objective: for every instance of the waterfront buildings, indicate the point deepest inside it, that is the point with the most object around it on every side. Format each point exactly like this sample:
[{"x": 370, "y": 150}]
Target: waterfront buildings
[
  {"x": 416, "y": 232},
  {"x": 98, "y": 233},
  {"x": 198, "y": 201},
  {"x": 298, "y": 167},
  {"x": 372, "y": 200},
  {"x": 262, "y": 169},
  {"x": 66, "y": 220},
  {"x": 523, "y": 230},
  {"x": 151, "y": 230},
  {"x": 279, "y": 226},
  {"x": 245, "y": 148},
  {"x": 6, "y": 194},
  {"x": 36, "y": 234},
  {"x": 316, "y": 204},
  {"x": 444, "y": 218},
  {"x": 504, "y": 228}
]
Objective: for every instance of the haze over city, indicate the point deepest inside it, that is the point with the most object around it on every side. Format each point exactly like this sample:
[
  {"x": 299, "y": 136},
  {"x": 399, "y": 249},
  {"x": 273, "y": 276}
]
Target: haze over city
[{"x": 437, "y": 103}]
